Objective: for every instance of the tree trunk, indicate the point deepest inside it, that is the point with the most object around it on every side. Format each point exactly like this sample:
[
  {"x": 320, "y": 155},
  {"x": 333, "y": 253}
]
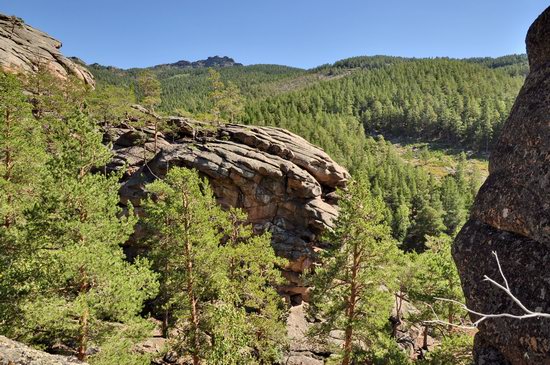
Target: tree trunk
[
  {"x": 83, "y": 338},
  {"x": 425, "y": 341},
  {"x": 348, "y": 339},
  {"x": 156, "y": 135},
  {"x": 190, "y": 290},
  {"x": 8, "y": 219},
  {"x": 165, "y": 324},
  {"x": 83, "y": 320}
]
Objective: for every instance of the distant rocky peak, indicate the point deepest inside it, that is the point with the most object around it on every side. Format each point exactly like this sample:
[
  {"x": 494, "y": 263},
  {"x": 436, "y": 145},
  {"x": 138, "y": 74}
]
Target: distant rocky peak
[{"x": 214, "y": 61}]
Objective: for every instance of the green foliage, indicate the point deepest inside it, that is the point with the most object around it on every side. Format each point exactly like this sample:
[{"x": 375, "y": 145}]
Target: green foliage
[
  {"x": 216, "y": 276},
  {"x": 71, "y": 284},
  {"x": 227, "y": 102},
  {"x": 456, "y": 350},
  {"x": 418, "y": 204},
  {"x": 453, "y": 205},
  {"x": 77, "y": 227},
  {"x": 21, "y": 152},
  {"x": 22, "y": 159},
  {"x": 110, "y": 104},
  {"x": 435, "y": 277},
  {"x": 119, "y": 349},
  {"x": 515, "y": 65},
  {"x": 51, "y": 98},
  {"x": 352, "y": 290},
  {"x": 148, "y": 90},
  {"x": 188, "y": 89},
  {"x": 448, "y": 100}
]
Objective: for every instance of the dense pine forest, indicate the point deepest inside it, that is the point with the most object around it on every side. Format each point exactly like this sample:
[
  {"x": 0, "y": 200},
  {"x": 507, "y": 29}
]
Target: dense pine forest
[
  {"x": 414, "y": 134},
  {"x": 460, "y": 102}
]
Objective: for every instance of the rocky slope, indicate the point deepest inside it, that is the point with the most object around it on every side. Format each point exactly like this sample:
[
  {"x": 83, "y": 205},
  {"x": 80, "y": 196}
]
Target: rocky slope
[
  {"x": 285, "y": 184},
  {"x": 25, "y": 49},
  {"x": 15, "y": 353},
  {"x": 511, "y": 216}
]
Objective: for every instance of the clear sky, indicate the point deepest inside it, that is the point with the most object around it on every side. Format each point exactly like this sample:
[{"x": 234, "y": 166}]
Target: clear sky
[{"x": 301, "y": 33}]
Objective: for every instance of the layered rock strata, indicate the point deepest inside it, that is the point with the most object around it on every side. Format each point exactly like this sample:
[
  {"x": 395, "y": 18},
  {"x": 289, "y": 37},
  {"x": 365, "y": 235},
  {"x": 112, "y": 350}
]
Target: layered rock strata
[
  {"x": 26, "y": 49},
  {"x": 284, "y": 183}
]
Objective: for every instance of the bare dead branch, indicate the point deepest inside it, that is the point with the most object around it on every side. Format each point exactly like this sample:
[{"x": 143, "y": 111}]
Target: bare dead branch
[{"x": 483, "y": 316}]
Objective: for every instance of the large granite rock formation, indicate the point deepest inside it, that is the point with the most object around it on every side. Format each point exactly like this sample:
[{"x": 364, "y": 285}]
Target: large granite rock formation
[
  {"x": 15, "y": 353},
  {"x": 285, "y": 184},
  {"x": 24, "y": 49},
  {"x": 511, "y": 216}
]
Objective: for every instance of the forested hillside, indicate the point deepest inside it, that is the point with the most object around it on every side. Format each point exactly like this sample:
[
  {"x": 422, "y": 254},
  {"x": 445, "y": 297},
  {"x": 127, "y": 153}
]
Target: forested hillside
[
  {"x": 63, "y": 223},
  {"x": 345, "y": 107},
  {"x": 459, "y": 102},
  {"x": 444, "y": 100}
]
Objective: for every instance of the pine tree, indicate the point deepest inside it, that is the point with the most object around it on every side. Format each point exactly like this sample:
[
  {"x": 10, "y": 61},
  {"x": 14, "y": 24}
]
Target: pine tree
[
  {"x": 22, "y": 159},
  {"x": 149, "y": 95},
  {"x": 226, "y": 98},
  {"x": 216, "y": 94},
  {"x": 110, "y": 104},
  {"x": 453, "y": 205},
  {"x": 435, "y": 277},
  {"x": 215, "y": 276},
  {"x": 353, "y": 288},
  {"x": 253, "y": 271},
  {"x": 87, "y": 293},
  {"x": 232, "y": 104}
]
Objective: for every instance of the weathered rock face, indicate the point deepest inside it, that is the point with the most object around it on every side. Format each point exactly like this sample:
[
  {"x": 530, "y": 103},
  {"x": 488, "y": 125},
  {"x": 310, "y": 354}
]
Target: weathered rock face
[
  {"x": 15, "y": 353},
  {"x": 24, "y": 48},
  {"x": 512, "y": 217},
  {"x": 284, "y": 183}
]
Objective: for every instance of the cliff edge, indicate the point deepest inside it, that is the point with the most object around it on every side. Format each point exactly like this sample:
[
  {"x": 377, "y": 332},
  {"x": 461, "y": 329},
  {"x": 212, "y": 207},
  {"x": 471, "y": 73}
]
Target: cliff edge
[{"x": 25, "y": 49}]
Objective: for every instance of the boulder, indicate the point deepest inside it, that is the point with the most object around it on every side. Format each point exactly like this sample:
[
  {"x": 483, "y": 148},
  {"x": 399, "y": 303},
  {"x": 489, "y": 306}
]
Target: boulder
[
  {"x": 24, "y": 49},
  {"x": 15, "y": 353},
  {"x": 511, "y": 216}
]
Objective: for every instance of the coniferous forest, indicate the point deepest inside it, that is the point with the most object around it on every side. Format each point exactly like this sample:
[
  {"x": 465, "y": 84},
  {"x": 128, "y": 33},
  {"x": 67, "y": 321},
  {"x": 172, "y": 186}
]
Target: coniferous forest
[{"x": 413, "y": 133}]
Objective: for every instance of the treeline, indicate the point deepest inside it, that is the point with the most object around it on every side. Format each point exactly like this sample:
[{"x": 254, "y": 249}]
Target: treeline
[
  {"x": 514, "y": 65},
  {"x": 186, "y": 90},
  {"x": 459, "y": 102},
  {"x": 451, "y": 101}
]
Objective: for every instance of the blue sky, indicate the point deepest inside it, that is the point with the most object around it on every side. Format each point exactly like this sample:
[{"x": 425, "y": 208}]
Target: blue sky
[{"x": 301, "y": 33}]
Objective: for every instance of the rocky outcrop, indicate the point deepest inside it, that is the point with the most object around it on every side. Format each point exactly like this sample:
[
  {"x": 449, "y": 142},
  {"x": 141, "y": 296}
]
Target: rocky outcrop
[
  {"x": 215, "y": 61},
  {"x": 25, "y": 49},
  {"x": 15, "y": 353},
  {"x": 285, "y": 184},
  {"x": 511, "y": 216}
]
